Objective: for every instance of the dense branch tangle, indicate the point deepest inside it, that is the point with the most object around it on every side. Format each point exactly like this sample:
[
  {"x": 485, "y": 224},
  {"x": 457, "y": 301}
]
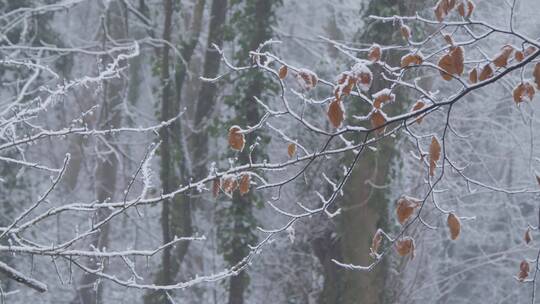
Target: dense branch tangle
[
  {"x": 443, "y": 53},
  {"x": 23, "y": 124}
]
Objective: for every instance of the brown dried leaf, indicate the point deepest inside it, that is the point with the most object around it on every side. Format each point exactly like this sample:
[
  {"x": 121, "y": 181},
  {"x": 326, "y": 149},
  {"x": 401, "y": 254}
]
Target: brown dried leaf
[
  {"x": 486, "y": 73},
  {"x": 473, "y": 76},
  {"x": 405, "y": 32},
  {"x": 236, "y": 139},
  {"x": 417, "y": 106},
  {"x": 461, "y": 9},
  {"x": 291, "y": 149},
  {"x": 528, "y": 236},
  {"x": 448, "y": 39},
  {"x": 530, "y": 50},
  {"x": 374, "y": 53},
  {"x": 363, "y": 80},
  {"x": 230, "y": 184},
  {"x": 308, "y": 78},
  {"x": 523, "y": 90},
  {"x": 376, "y": 242},
  {"x": 283, "y": 70},
  {"x": 378, "y": 120},
  {"x": 452, "y": 63},
  {"x": 519, "y": 56},
  {"x": 411, "y": 59},
  {"x": 523, "y": 270},
  {"x": 335, "y": 113},
  {"x": 458, "y": 57},
  {"x": 342, "y": 78},
  {"x": 382, "y": 98},
  {"x": 446, "y": 64},
  {"x": 338, "y": 91},
  {"x": 524, "y": 266},
  {"x": 215, "y": 187},
  {"x": 441, "y": 10},
  {"x": 454, "y": 225},
  {"x": 536, "y": 75},
  {"x": 434, "y": 155},
  {"x": 244, "y": 183},
  {"x": 349, "y": 87},
  {"x": 345, "y": 84},
  {"x": 501, "y": 59},
  {"x": 405, "y": 246},
  {"x": 405, "y": 208},
  {"x": 314, "y": 79},
  {"x": 470, "y": 8},
  {"x": 529, "y": 91}
]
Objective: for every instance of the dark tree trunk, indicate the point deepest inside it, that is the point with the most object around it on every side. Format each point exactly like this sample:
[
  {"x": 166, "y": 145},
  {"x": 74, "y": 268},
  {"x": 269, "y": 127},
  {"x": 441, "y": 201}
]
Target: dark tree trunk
[
  {"x": 207, "y": 94},
  {"x": 181, "y": 223},
  {"x": 249, "y": 113},
  {"x": 167, "y": 174},
  {"x": 242, "y": 204},
  {"x": 188, "y": 48},
  {"x": 107, "y": 166},
  {"x": 364, "y": 208},
  {"x": 176, "y": 218}
]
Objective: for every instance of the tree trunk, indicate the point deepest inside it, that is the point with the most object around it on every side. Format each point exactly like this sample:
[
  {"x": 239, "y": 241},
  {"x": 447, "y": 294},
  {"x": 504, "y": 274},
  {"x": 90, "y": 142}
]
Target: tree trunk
[
  {"x": 364, "y": 208},
  {"x": 167, "y": 174},
  {"x": 188, "y": 46},
  {"x": 207, "y": 94},
  {"x": 105, "y": 182},
  {"x": 181, "y": 224},
  {"x": 248, "y": 114},
  {"x": 177, "y": 221}
]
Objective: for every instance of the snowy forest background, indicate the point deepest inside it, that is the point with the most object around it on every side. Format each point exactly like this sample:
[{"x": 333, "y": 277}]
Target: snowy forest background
[{"x": 113, "y": 111}]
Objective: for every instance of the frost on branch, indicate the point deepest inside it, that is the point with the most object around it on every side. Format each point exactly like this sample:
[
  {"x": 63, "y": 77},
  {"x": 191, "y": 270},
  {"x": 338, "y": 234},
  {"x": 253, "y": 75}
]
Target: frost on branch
[{"x": 305, "y": 185}]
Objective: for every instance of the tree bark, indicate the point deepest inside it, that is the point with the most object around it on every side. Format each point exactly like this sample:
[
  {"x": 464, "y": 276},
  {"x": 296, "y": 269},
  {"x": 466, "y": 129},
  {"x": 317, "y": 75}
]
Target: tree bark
[
  {"x": 181, "y": 223},
  {"x": 207, "y": 94},
  {"x": 249, "y": 114},
  {"x": 167, "y": 175},
  {"x": 177, "y": 220},
  {"x": 364, "y": 208},
  {"x": 105, "y": 182}
]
